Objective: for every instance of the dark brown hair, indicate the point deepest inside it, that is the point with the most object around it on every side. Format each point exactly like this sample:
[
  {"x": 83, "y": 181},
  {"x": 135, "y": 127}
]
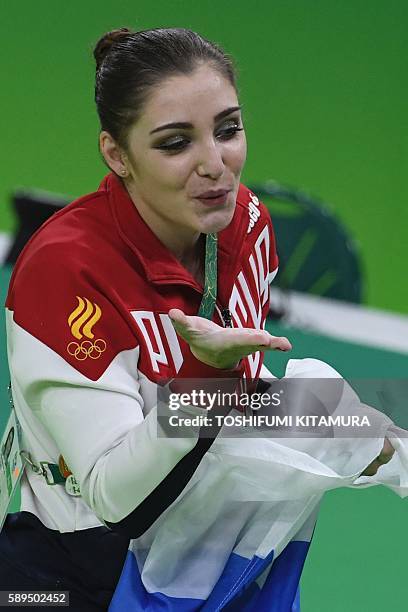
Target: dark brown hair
[{"x": 129, "y": 64}]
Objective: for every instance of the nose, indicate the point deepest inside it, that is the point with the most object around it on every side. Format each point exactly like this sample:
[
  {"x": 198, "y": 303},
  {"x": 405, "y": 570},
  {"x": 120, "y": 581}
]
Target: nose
[{"x": 211, "y": 163}]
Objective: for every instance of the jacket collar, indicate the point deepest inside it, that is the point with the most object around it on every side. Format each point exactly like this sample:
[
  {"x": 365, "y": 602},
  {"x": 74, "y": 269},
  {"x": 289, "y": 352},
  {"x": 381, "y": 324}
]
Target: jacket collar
[{"x": 159, "y": 264}]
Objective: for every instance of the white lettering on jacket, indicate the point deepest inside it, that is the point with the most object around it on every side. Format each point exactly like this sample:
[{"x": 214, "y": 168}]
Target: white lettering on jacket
[
  {"x": 254, "y": 212},
  {"x": 155, "y": 343},
  {"x": 242, "y": 302}
]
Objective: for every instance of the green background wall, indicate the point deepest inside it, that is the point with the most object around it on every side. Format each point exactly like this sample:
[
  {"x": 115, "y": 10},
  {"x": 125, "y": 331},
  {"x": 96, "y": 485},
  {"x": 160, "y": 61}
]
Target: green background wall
[{"x": 324, "y": 83}]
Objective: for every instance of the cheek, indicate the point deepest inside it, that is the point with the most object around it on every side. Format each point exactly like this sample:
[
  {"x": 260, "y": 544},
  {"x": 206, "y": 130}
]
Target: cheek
[
  {"x": 236, "y": 156},
  {"x": 171, "y": 172}
]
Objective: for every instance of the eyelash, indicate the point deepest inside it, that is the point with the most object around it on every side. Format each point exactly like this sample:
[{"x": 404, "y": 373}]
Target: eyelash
[{"x": 181, "y": 143}]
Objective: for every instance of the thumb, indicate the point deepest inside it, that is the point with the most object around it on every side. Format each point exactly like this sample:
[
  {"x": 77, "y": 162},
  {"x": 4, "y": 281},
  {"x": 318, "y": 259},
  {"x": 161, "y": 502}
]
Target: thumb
[
  {"x": 180, "y": 322},
  {"x": 177, "y": 316}
]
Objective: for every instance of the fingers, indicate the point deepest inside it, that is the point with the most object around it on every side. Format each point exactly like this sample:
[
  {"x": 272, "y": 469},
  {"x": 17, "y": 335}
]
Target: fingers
[
  {"x": 371, "y": 469},
  {"x": 384, "y": 457},
  {"x": 279, "y": 343},
  {"x": 263, "y": 340},
  {"x": 387, "y": 452}
]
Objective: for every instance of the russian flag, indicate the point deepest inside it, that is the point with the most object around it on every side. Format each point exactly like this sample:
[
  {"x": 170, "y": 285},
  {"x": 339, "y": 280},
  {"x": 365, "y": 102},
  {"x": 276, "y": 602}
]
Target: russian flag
[{"x": 237, "y": 537}]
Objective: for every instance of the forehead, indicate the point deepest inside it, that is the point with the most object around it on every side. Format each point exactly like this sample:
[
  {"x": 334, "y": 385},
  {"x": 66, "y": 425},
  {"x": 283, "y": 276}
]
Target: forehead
[{"x": 203, "y": 93}]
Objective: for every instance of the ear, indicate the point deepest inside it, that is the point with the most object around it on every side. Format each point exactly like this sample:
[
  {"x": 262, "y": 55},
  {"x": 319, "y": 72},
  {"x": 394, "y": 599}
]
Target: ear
[{"x": 113, "y": 154}]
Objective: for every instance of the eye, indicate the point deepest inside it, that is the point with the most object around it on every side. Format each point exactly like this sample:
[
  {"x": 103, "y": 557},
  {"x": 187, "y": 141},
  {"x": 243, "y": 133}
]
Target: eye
[
  {"x": 229, "y": 129},
  {"x": 173, "y": 144},
  {"x": 178, "y": 143}
]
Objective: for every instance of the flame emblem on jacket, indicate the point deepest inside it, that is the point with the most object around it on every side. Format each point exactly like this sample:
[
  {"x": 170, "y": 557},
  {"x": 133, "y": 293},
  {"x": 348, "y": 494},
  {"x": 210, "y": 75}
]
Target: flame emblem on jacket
[{"x": 81, "y": 322}]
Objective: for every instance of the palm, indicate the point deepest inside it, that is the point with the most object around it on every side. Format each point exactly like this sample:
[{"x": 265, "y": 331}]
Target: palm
[{"x": 222, "y": 347}]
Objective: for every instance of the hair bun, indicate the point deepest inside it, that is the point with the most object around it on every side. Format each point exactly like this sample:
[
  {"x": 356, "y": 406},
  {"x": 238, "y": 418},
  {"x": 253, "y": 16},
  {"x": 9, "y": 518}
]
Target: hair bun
[{"x": 105, "y": 43}]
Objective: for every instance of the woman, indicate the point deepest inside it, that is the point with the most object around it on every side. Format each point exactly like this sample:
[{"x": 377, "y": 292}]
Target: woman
[{"x": 93, "y": 308}]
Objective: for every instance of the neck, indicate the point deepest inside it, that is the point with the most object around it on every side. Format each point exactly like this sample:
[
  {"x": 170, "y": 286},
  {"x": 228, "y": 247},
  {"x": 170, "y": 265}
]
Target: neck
[
  {"x": 194, "y": 261},
  {"x": 186, "y": 245}
]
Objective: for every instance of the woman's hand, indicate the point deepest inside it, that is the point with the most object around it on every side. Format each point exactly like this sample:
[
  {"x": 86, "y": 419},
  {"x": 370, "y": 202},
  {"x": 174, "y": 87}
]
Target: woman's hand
[
  {"x": 384, "y": 457},
  {"x": 223, "y": 347}
]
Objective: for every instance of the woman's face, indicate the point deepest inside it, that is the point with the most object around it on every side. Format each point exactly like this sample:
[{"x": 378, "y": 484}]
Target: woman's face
[{"x": 185, "y": 155}]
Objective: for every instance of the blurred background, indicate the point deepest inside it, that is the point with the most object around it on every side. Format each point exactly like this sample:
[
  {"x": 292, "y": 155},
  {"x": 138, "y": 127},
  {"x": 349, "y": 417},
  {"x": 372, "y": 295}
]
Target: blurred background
[{"x": 325, "y": 93}]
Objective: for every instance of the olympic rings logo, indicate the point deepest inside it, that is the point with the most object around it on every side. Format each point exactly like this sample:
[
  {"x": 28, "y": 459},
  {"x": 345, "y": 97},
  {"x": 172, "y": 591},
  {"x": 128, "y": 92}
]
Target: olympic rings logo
[{"x": 86, "y": 349}]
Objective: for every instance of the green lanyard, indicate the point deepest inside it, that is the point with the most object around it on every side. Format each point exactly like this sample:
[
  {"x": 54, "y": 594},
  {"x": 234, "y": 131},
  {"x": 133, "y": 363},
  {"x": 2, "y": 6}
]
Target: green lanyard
[{"x": 207, "y": 305}]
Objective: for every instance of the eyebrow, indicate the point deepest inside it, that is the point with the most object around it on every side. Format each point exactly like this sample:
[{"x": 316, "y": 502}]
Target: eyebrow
[{"x": 185, "y": 125}]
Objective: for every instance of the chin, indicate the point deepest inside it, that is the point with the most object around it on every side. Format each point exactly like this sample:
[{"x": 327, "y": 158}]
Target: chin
[{"x": 217, "y": 221}]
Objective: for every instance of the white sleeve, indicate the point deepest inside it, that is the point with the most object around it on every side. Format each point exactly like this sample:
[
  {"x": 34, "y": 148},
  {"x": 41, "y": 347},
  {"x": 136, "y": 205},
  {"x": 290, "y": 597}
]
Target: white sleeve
[
  {"x": 99, "y": 427},
  {"x": 118, "y": 461}
]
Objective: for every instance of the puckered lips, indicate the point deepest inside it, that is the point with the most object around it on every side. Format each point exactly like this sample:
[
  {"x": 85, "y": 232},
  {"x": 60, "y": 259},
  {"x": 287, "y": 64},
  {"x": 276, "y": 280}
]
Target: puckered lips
[{"x": 213, "y": 197}]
